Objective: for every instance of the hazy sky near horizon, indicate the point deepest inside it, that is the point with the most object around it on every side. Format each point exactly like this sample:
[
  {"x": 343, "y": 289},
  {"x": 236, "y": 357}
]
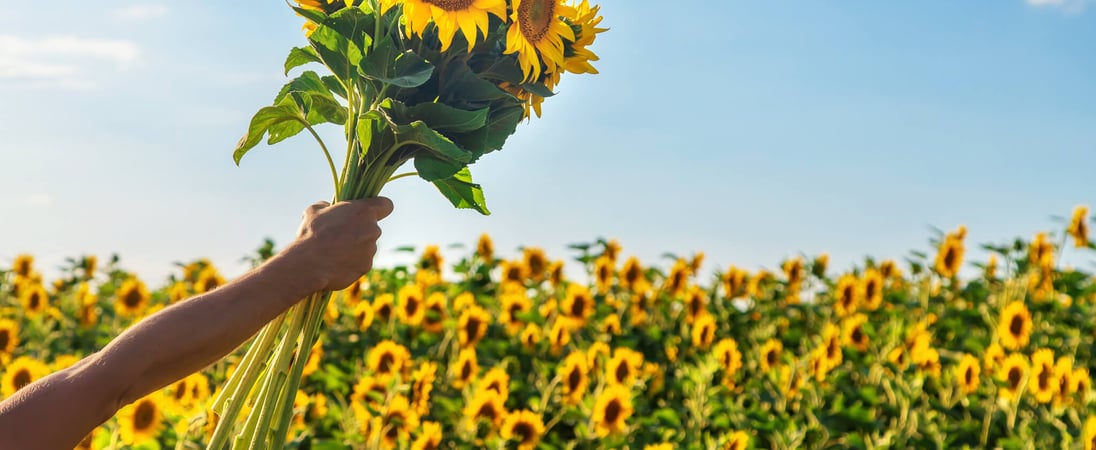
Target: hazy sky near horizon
[{"x": 750, "y": 130}]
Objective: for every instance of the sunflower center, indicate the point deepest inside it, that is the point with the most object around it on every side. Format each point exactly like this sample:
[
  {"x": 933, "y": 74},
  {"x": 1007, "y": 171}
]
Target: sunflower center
[
  {"x": 622, "y": 372},
  {"x": 514, "y": 274},
  {"x": 769, "y": 358},
  {"x": 831, "y": 349},
  {"x": 466, "y": 371},
  {"x": 4, "y": 339},
  {"x": 142, "y": 418},
  {"x": 487, "y": 411},
  {"x": 1044, "y": 378},
  {"x": 869, "y": 290},
  {"x": 949, "y": 258},
  {"x": 132, "y": 298},
  {"x": 394, "y": 418},
  {"x": 412, "y": 306},
  {"x": 612, "y": 411},
  {"x": 437, "y": 310},
  {"x": 472, "y": 328},
  {"x": 180, "y": 390},
  {"x": 574, "y": 380},
  {"x": 526, "y": 431},
  {"x": 536, "y": 264},
  {"x": 733, "y": 445},
  {"x": 385, "y": 311},
  {"x": 694, "y": 306},
  {"x": 35, "y": 300},
  {"x": 1014, "y": 376},
  {"x": 21, "y": 378},
  {"x": 968, "y": 376},
  {"x": 857, "y": 335},
  {"x": 535, "y": 18},
  {"x": 632, "y": 274},
  {"x": 451, "y": 5},
  {"x": 1016, "y": 325},
  {"x": 386, "y": 361},
  {"x": 727, "y": 359},
  {"x": 578, "y": 306}
]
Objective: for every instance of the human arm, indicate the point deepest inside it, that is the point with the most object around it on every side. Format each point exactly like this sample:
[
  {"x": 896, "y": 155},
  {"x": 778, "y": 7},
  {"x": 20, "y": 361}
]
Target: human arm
[{"x": 336, "y": 244}]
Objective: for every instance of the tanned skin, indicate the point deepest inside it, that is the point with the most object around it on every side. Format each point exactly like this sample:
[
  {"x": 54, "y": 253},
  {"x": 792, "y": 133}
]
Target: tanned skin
[{"x": 334, "y": 247}]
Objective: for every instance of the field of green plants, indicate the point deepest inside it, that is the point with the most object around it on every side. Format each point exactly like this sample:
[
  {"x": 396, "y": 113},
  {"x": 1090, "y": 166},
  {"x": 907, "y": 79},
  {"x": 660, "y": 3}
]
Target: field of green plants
[{"x": 504, "y": 351}]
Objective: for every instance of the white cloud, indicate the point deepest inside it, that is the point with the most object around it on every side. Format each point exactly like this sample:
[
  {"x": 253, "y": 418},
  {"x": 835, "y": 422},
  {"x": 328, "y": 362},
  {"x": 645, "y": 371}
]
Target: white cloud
[
  {"x": 62, "y": 61},
  {"x": 1070, "y": 6},
  {"x": 140, "y": 13}
]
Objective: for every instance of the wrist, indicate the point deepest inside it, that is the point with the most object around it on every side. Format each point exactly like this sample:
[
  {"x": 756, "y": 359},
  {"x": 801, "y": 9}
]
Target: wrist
[{"x": 297, "y": 268}]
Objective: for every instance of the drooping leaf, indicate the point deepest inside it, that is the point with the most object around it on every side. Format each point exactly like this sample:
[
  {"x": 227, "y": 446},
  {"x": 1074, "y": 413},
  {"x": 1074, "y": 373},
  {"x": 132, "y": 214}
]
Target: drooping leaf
[
  {"x": 388, "y": 64},
  {"x": 462, "y": 192},
  {"x": 261, "y": 122},
  {"x": 433, "y": 169},
  {"x": 300, "y": 56},
  {"x": 442, "y": 117},
  {"x": 418, "y": 133},
  {"x": 337, "y": 53},
  {"x": 461, "y": 86}
]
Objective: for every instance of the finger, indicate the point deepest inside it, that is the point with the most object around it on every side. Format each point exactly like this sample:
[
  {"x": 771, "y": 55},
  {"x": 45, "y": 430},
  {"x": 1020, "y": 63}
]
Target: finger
[
  {"x": 381, "y": 207},
  {"x": 315, "y": 208}
]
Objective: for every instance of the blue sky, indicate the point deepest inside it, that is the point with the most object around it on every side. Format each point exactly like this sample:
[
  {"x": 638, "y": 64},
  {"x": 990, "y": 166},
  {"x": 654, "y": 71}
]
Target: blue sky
[{"x": 750, "y": 130}]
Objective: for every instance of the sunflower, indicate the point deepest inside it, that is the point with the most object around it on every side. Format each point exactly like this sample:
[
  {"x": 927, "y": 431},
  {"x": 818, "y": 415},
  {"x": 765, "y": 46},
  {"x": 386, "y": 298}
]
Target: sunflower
[
  {"x": 485, "y": 406},
  {"x": 431, "y": 259},
  {"x": 1015, "y": 325},
  {"x": 1081, "y": 384},
  {"x": 140, "y": 421},
  {"x": 611, "y": 410},
  {"x": 1012, "y": 372},
  {"x": 730, "y": 359},
  {"x": 363, "y": 315},
  {"x": 738, "y": 440},
  {"x": 496, "y": 380},
  {"x": 596, "y": 355},
  {"x": 513, "y": 305},
  {"x": 369, "y": 390},
  {"x": 469, "y": 17},
  {"x": 132, "y": 298},
  {"x": 817, "y": 365},
  {"x": 734, "y": 282},
  {"x": 847, "y": 295},
  {"x": 993, "y": 356},
  {"x": 530, "y": 336},
  {"x": 22, "y": 371},
  {"x": 89, "y": 315},
  {"x": 624, "y": 367},
  {"x": 631, "y": 275},
  {"x": 898, "y": 357},
  {"x": 677, "y": 279},
  {"x": 578, "y": 304},
  {"x": 611, "y": 325},
  {"x": 1063, "y": 371},
  {"x": 34, "y": 298},
  {"x": 703, "y": 331},
  {"x": 790, "y": 381},
  {"x": 559, "y": 336},
  {"x": 573, "y": 373},
  {"x": 514, "y": 271},
  {"x": 485, "y": 248},
  {"x": 1040, "y": 250},
  {"x": 663, "y": 446},
  {"x": 967, "y": 373},
  {"x": 383, "y": 307},
  {"x": 831, "y": 346},
  {"x": 770, "y": 354},
  {"x": 853, "y": 332},
  {"x": 429, "y": 437},
  {"x": 640, "y": 303},
  {"x": 472, "y": 325},
  {"x": 1088, "y": 436},
  {"x": 555, "y": 273},
  {"x": 181, "y": 395},
  {"x": 793, "y": 271},
  {"x": 398, "y": 421},
  {"x": 9, "y": 336},
  {"x": 387, "y": 359},
  {"x": 315, "y": 355},
  {"x": 410, "y": 310},
  {"x": 536, "y": 263},
  {"x": 696, "y": 304},
  {"x": 23, "y": 265},
  {"x": 1078, "y": 227},
  {"x": 466, "y": 368},
  {"x": 871, "y": 289},
  {"x": 208, "y": 280},
  {"x": 1043, "y": 382},
  {"x": 949, "y": 258},
  {"x": 422, "y": 383},
  {"x": 524, "y": 426}
]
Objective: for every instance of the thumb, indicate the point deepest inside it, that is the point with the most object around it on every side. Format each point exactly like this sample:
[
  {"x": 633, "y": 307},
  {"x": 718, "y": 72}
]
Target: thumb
[{"x": 315, "y": 208}]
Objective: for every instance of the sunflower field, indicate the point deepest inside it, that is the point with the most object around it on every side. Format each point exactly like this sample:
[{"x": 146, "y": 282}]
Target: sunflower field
[{"x": 509, "y": 353}]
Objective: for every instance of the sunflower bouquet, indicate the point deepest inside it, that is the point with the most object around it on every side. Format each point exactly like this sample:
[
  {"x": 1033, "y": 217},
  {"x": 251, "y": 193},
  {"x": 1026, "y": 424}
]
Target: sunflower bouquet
[{"x": 434, "y": 83}]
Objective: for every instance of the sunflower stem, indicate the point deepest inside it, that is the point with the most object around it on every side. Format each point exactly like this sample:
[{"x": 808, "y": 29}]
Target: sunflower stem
[
  {"x": 261, "y": 344},
  {"x": 317, "y": 308},
  {"x": 259, "y": 424},
  {"x": 402, "y": 175}
]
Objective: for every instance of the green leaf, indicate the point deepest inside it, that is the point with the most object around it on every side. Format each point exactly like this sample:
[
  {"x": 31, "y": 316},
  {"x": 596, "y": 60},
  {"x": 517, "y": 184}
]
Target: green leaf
[
  {"x": 312, "y": 96},
  {"x": 502, "y": 124},
  {"x": 442, "y": 117},
  {"x": 461, "y": 86},
  {"x": 403, "y": 69},
  {"x": 334, "y": 85},
  {"x": 434, "y": 169},
  {"x": 464, "y": 194},
  {"x": 668, "y": 417},
  {"x": 353, "y": 24},
  {"x": 420, "y": 134},
  {"x": 337, "y": 53},
  {"x": 261, "y": 122},
  {"x": 300, "y": 56},
  {"x": 538, "y": 89},
  {"x": 317, "y": 17}
]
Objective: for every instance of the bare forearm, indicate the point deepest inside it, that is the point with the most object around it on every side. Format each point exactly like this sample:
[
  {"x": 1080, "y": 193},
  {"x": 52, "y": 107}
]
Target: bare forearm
[{"x": 189, "y": 336}]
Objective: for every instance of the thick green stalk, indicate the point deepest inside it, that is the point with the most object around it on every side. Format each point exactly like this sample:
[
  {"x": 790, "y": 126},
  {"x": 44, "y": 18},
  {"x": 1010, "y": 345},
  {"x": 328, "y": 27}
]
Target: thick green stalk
[
  {"x": 261, "y": 345},
  {"x": 248, "y": 376},
  {"x": 259, "y": 419},
  {"x": 311, "y": 332}
]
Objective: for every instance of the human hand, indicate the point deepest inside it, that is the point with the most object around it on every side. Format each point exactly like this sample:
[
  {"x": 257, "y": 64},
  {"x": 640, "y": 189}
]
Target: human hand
[{"x": 336, "y": 243}]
